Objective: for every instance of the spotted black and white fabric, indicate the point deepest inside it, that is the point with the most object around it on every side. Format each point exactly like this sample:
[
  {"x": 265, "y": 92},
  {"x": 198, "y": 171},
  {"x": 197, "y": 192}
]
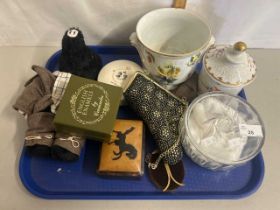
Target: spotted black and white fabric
[{"x": 161, "y": 111}]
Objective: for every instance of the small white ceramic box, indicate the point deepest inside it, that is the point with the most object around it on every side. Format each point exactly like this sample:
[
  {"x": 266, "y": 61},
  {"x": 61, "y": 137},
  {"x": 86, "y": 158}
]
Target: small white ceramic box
[{"x": 227, "y": 69}]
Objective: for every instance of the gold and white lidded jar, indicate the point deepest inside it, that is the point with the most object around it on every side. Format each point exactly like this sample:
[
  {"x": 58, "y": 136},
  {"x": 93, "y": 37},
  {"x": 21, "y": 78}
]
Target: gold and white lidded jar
[{"x": 227, "y": 68}]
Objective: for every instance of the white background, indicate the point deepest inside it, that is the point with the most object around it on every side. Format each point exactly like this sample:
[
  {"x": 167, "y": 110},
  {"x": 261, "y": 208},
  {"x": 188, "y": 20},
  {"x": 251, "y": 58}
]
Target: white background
[{"x": 42, "y": 23}]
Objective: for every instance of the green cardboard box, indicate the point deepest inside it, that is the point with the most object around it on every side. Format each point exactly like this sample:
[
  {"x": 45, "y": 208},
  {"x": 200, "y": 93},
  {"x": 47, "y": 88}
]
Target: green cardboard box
[{"x": 88, "y": 108}]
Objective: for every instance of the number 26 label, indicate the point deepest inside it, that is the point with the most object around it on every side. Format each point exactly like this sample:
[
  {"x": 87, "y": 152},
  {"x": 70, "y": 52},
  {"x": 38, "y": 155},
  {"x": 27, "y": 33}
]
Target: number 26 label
[{"x": 250, "y": 130}]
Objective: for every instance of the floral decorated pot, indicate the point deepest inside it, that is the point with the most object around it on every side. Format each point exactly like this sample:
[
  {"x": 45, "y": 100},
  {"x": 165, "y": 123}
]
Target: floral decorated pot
[
  {"x": 170, "y": 43},
  {"x": 227, "y": 68}
]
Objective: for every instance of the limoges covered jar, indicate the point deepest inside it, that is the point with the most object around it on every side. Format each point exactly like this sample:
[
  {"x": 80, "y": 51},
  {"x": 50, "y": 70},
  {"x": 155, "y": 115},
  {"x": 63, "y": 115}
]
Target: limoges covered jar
[{"x": 227, "y": 68}]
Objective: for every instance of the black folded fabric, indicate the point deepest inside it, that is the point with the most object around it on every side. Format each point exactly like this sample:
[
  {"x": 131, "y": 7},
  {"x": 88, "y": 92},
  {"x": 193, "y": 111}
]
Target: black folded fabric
[{"x": 67, "y": 147}]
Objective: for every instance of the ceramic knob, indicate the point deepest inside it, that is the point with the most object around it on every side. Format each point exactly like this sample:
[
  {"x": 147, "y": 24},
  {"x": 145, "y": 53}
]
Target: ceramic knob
[{"x": 237, "y": 54}]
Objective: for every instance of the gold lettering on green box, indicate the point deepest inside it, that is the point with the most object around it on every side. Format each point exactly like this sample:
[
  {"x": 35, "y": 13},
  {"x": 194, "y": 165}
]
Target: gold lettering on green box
[{"x": 89, "y": 104}]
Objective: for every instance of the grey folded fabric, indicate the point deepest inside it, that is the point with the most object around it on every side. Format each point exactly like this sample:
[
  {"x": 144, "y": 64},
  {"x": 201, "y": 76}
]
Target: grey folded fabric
[
  {"x": 36, "y": 95},
  {"x": 40, "y": 129},
  {"x": 34, "y": 103}
]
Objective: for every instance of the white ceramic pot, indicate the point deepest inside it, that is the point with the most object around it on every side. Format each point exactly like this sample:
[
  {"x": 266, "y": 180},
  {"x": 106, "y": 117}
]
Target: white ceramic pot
[
  {"x": 170, "y": 43},
  {"x": 226, "y": 68}
]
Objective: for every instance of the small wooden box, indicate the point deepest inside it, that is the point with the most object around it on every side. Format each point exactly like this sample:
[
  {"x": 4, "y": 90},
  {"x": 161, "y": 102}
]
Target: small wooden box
[{"x": 123, "y": 155}]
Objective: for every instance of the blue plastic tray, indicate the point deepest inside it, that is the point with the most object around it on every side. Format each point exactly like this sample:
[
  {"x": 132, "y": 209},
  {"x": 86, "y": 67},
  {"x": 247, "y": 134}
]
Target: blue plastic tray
[{"x": 54, "y": 179}]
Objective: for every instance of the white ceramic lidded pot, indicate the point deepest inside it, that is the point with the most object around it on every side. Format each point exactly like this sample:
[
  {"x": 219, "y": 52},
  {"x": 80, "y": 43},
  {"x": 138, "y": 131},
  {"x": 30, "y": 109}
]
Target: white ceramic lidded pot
[
  {"x": 170, "y": 42},
  {"x": 227, "y": 69}
]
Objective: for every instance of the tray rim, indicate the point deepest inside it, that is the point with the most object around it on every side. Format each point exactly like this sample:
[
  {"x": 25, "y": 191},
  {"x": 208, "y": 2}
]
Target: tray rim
[
  {"x": 138, "y": 196},
  {"x": 155, "y": 196}
]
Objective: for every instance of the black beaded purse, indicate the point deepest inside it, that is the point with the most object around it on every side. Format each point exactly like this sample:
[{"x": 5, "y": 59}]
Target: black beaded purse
[{"x": 161, "y": 111}]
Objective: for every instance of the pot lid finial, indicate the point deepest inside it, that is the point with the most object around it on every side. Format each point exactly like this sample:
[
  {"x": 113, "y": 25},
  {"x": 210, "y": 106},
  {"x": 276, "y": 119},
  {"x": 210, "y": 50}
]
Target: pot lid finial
[{"x": 240, "y": 46}]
